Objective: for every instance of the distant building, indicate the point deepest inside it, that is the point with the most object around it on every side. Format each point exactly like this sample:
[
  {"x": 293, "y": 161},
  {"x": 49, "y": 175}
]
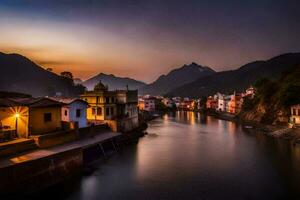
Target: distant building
[
  {"x": 211, "y": 103},
  {"x": 168, "y": 102},
  {"x": 295, "y": 114},
  {"x": 250, "y": 92},
  {"x": 235, "y": 104},
  {"x": 147, "y": 104},
  {"x": 223, "y": 103},
  {"x": 73, "y": 111}
]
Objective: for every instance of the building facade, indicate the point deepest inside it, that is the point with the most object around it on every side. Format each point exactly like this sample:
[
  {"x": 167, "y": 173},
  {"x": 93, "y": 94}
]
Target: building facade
[
  {"x": 127, "y": 110},
  {"x": 211, "y": 103},
  {"x": 147, "y": 104},
  {"x": 235, "y": 104},
  {"x": 73, "y": 111},
  {"x": 119, "y": 108},
  {"x": 102, "y": 104},
  {"x": 30, "y": 116},
  {"x": 295, "y": 114}
]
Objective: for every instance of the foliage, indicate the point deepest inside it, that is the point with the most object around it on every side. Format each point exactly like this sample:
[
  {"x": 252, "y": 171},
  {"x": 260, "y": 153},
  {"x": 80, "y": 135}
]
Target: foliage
[
  {"x": 67, "y": 74},
  {"x": 283, "y": 92},
  {"x": 160, "y": 106}
]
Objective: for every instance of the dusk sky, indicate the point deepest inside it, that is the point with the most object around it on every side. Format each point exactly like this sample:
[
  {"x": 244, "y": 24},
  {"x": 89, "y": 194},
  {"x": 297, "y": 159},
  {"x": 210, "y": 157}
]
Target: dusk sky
[{"x": 143, "y": 39}]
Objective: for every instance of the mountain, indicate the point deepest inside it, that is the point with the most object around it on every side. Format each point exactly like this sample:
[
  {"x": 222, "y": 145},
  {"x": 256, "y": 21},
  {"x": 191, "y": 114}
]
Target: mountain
[
  {"x": 113, "y": 82},
  {"x": 19, "y": 74},
  {"x": 176, "y": 78},
  {"x": 239, "y": 79}
]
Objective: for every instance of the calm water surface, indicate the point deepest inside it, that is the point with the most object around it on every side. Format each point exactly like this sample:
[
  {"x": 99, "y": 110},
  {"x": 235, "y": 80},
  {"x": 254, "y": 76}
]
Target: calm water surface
[{"x": 186, "y": 156}]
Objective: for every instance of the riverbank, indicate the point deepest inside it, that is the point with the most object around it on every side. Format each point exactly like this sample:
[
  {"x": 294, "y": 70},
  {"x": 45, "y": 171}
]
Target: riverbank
[{"x": 35, "y": 170}]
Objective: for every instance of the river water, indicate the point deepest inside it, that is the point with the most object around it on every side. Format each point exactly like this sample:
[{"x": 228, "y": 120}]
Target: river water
[{"x": 189, "y": 156}]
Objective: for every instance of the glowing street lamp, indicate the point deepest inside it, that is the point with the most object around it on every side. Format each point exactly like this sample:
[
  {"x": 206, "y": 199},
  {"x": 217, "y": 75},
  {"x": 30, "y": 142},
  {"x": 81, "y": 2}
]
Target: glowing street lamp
[{"x": 17, "y": 115}]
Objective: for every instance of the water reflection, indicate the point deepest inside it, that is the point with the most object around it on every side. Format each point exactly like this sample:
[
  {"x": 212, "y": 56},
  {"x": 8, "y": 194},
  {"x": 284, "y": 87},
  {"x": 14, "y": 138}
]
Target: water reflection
[{"x": 188, "y": 155}]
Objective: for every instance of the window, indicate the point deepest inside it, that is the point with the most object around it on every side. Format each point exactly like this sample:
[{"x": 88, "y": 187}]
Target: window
[
  {"x": 107, "y": 111},
  {"x": 78, "y": 112},
  {"x": 294, "y": 111},
  {"x": 112, "y": 111},
  {"x": 99, "y": 111},
  {"x": 107, "y": 100},
  {"x": 113, "y": 100},
  {"x": 93, "y": 111},
  {"x": 66, "y": 112},
  {"x": 47, "y": 117}
]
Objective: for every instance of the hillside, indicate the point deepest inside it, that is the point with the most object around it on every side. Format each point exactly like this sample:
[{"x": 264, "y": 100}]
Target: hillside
[
  {"x": 19, "y": 74},
  {"x": 176, "y": 78},
  {"x": 239, "y": 79},
  {"x": 113, "y": 82},
  {"x": 271, "y": 104}
]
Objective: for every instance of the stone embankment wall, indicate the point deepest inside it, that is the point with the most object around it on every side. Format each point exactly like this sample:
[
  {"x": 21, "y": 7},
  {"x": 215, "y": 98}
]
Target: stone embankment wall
[{"x": 33, "y": 175}]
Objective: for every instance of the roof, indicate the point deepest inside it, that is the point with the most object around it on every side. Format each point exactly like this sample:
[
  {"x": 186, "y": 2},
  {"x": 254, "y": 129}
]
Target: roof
[
  {"x": 29, "y": 102},
  {"x": 67, "y": 100},
  {"x": 5, "y": 102}
]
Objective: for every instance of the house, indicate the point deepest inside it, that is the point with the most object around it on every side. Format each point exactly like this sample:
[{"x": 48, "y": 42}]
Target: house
[
  {"x": 223, "y": 103},
  {"x": 147, "y": 104},
  {"x": 73, "y": 111},
  {"x": 235, "y": 103},
  {"x": 295, "y": 114},
  {"x": 127, "y": 110},
  {"x": 168, "y": 102},
  {"x": 250, "y": 92},
  {"x": 187, "y": 105},
  {"x": 211, "y": 103},
  {"x": 30, "y": 116},
  {"x": 102, "y": 104}
]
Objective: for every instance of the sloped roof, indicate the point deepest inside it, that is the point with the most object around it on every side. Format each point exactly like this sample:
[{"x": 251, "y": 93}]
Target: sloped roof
[
  {"x": 29, "y": 102},
  {"x": 5, "y": 102}
]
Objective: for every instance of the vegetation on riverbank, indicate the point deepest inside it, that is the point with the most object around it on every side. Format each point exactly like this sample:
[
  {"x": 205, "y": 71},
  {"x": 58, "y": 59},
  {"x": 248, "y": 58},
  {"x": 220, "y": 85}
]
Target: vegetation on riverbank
[{"x": 271, "y": 104}]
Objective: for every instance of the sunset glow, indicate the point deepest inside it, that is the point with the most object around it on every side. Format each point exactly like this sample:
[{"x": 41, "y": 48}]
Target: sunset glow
[{"x": 122, "y": 37}]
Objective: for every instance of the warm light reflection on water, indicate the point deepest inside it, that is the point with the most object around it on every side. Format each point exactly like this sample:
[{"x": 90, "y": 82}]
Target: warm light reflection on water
[{"x": 190, "y": 156}]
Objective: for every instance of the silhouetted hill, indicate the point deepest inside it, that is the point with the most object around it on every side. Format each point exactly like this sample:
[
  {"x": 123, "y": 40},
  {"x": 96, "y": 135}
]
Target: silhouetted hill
[
  {"x": 273, "y": 98},
  {"x": 239, "y": 79},
  {"x": 113, "y": 82},
  {"x": 176, "y": 78},
  {"x": 19, "y": 74}
]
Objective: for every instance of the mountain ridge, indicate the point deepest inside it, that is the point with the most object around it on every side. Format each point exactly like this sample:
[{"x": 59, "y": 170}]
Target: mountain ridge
[
  {"x": 238, "y": 79},
  {"x": 175, "y": 78}
]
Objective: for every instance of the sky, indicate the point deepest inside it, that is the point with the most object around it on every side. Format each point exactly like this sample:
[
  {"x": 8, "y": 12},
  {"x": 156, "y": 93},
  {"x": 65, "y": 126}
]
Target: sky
[{"x": 143, "y": 39}]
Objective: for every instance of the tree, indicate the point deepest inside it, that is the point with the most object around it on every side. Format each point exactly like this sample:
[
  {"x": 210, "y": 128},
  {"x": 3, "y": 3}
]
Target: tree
[
  {"x": 49, "y": 69},
  {"x": 67, "y": 74}
]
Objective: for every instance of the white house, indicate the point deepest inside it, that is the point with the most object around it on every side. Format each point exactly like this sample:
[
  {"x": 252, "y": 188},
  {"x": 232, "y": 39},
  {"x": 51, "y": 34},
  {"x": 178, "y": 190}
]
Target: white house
[
  {"x": 74, "y": 110},
  {"x": 223, "y": 103}
]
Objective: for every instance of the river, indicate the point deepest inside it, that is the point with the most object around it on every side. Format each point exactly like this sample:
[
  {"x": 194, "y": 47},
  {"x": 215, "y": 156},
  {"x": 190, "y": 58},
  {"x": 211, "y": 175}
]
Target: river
[{"x": 189, "y": 156}]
